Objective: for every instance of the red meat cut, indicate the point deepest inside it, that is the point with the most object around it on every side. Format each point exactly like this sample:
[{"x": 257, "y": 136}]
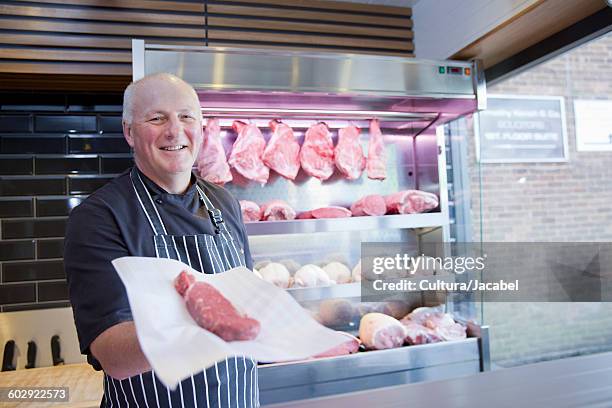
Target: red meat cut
[
  {"x": 330, "y": 212},
  {"x": 305, "y": 215},
  {"x": 277, "y": 210},
  {"x": 213, "y": 312},
  {"x": 348, "y": 154},
  {"x": 247, "y": 151},
  {"x": 377, "y": 161},
  {"x": 410, "y": 202},
  {"x": 350, "y": 346},
  {"x": 317, "y": 154},
  {"x": 212, "y": 163},
  {"x": 372, "y": 204},
  {"x": 250, "y": 211},
  {"x": 282, "y": 154}
]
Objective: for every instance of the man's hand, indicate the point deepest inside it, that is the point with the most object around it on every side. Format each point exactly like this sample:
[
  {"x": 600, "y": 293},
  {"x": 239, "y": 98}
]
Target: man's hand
[{"x": 118, "y": 351}]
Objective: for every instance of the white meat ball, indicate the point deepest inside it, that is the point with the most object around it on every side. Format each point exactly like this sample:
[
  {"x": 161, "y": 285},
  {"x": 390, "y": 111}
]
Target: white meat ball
[
  {"x": 277, "y": 274},
  {"x": 338, "y": 272}
]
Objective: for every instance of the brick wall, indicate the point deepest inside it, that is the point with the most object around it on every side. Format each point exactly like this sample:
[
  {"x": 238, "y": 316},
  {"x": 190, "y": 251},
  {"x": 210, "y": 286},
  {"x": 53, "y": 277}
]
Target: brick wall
[
  {"x": 555, "y": 202},
  {"x": 55, "y": 149}
]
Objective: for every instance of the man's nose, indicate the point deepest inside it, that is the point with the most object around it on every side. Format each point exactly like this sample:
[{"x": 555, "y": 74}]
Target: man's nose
[{"x": 174, "y": 129}]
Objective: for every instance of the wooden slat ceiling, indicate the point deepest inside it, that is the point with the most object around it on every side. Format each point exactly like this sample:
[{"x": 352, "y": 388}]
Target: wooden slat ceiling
[
  {"x": 536, "y": 23},
  {"x": 93, "y": 37}
]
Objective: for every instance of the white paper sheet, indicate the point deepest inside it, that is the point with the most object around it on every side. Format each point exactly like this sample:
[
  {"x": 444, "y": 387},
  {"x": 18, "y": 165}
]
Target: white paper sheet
[{"x": 177, "y": 347}]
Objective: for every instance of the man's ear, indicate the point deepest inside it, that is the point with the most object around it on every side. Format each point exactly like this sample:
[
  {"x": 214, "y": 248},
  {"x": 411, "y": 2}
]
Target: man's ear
[{"x": 127, "y": 133}]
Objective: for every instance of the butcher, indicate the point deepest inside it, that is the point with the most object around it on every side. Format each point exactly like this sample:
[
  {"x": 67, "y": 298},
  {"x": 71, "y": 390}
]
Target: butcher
[{"x": 158, "y": 208}]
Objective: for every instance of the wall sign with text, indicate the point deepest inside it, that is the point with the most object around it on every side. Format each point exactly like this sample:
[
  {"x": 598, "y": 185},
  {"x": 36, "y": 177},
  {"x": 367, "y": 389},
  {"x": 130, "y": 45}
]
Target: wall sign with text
[
  {"x": 521, "y": 129},
  {"x": 593, "y": 125}
]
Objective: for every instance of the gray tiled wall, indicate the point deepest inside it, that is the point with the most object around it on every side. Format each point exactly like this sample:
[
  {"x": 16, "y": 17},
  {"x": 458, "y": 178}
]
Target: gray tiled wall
[{"x": 55, "y": 149}]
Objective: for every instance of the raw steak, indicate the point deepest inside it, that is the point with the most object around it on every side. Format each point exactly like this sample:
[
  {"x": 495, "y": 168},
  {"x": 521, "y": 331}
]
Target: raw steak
[
  {"x": 282, "y": 154},
  {"x": 348, "y": 154},
  {"x": 372, "y": 204},
  {"x": 349, "y": 347},
  {"x": 317, "y": 154},
  {"x": 377, "y": 161},
  {"x": 247, "y": 151},
  {"x": 212, "y": 163},
  {"x": 250, "y": 211},
  {"x": 331, "y": 212},
  {"x": 378, "y": 331},
  {"x": 277, "y": 210},
  {"x": 213, "y": 312},
  {"x": 410, "y": 202}
]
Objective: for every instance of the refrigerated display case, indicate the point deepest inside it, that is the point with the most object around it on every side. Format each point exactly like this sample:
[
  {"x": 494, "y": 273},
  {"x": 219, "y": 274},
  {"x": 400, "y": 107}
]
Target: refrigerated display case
[{"x": 414, "y": 101}]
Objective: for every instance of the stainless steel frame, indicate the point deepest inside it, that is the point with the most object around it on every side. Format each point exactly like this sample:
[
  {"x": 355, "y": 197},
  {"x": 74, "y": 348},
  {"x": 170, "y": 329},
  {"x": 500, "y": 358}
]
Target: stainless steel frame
[{"x": 413, "y": 99}]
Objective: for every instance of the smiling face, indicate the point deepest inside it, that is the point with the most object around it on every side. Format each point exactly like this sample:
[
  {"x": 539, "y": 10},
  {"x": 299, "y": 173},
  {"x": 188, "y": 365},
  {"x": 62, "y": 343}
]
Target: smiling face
[{"x": 165, "y": 130}]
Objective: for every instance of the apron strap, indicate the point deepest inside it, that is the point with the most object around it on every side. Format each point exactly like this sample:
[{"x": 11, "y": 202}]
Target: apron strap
[
  {"x": 147, "y": 204},
  {"x": 214, "y": 213}
]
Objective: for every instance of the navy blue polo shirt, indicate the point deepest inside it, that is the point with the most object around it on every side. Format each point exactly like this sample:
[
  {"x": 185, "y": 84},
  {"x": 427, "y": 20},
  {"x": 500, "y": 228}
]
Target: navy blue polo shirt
[{"x": 111, "y": 224}]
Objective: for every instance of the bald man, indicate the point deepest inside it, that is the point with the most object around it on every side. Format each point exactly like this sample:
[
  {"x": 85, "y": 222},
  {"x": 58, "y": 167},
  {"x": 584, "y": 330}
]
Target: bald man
[{"x": 157, "y": 208}]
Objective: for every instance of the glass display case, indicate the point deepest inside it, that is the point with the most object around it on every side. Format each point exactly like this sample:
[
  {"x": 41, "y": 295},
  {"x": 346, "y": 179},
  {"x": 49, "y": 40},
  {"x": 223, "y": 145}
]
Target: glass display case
[{"x": 414, "y": 102}]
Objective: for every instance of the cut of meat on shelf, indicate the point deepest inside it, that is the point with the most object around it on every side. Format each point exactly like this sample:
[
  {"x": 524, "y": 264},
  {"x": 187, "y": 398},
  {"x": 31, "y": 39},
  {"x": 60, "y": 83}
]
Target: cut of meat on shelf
[
  {"x": 250, "y": 211},
  {"x": 277, "y": 210},
  {"x": 317, "y": 153},
  {"x": 410, "y": 202},
  {"x": 247, "y": 151},
  {"x": 419, "y": 334},
  {"x": 213, "y": 312},
  {"x": 372, "y": 204},
  {"x": 338, "y": 272},
  {"x": 277, "y": 274},
  {"x": 335, "y": 312},
  {"x": 348, "y": 154},
  {"x": 356, "y": 272},
  {"x": 377, "y": 160},
  {"x": 378, "y": 331},
  {"x": 309, "y": 276},
  {"x": 212, "y": 163},
  {"x": 439, "y": 325},
  {"x": 305, "y": 215},
  {"x": 282, "y": 154},
  {"x": 331, "y": 212},
  {"x": 349, "y": 347}
]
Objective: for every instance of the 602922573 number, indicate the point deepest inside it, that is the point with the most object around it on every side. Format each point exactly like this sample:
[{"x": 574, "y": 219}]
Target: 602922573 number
[{"x": 33, "y": 394}]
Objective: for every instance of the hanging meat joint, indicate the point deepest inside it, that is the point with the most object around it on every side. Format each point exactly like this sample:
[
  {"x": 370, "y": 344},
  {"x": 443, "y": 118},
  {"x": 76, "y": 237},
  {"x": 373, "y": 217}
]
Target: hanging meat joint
[
  {"x": 317, "y": 154},
  {"x": 377, "y": 160},
  {"x": 247, "y": 152},
  {"x": 348, "y": 154},
  {"x": 282, "y": 154},
  {"x": 212, "y": 162}
]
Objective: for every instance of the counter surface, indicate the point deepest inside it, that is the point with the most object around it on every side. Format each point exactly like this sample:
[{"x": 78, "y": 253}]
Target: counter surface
[
  {"x": 83, "y": 382},
  {"x": 571, "y": 382}
]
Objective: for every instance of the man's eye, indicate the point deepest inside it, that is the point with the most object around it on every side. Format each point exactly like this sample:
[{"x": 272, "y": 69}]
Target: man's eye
[
  {"x": 188, "y": 117},
  {"x": 155, "y": 119}
]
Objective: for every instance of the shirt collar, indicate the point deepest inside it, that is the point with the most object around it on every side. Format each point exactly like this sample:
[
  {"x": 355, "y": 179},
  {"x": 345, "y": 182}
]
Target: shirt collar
[{"x": 157, "y": 191}]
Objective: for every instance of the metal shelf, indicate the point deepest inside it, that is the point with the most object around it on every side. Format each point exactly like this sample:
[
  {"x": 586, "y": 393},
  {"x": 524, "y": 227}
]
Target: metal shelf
[
  {"x": 342, "y": 290},
  {"x": 308, "y": 226}
]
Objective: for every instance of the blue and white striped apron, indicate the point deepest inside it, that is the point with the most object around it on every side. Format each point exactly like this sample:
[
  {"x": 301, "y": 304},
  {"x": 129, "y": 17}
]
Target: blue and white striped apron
[{"x": 231, "y": 383}]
